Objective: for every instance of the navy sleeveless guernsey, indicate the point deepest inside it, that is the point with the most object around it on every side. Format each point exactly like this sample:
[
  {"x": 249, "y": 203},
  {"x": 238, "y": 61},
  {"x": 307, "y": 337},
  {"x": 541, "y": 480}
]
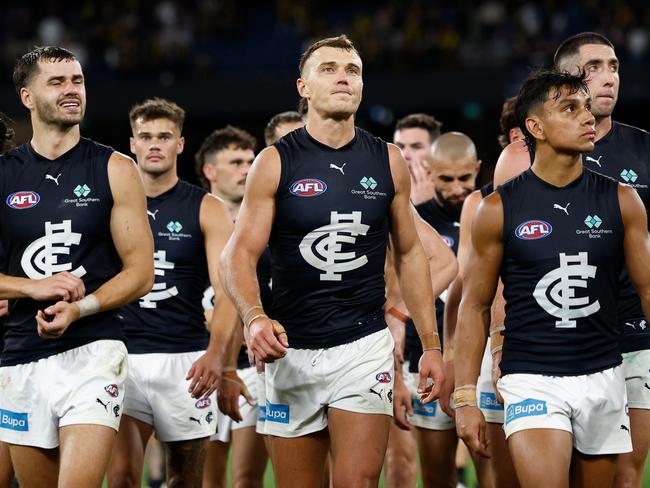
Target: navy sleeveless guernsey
[
  {"x": 624, "y": 154},
  {"x": 56, "y": 217},
  {"x": 562, "y": 255},
  {"x": 447, "y": 225},
  {"x": 329, "y": 239},
  {"x": 169, "y": 319}
]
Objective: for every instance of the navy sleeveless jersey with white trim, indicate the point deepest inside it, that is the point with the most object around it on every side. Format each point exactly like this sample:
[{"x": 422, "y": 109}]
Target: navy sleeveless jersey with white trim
[
  {"x": 447, "y": 225},
  {"x": 624, "y": 154},
  {"x": 56, "y": 217},
  {"x": 329, "y": 239},
  {"x": 169, "y": 319},
  {"x": 562, "y": 255}
]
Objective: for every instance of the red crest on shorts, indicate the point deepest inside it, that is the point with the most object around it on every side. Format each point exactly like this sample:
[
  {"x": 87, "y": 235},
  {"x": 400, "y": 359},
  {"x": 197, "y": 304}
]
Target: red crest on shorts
[
  {"x": 383, "y": 377},
  {"x": 203, "y": 403}
]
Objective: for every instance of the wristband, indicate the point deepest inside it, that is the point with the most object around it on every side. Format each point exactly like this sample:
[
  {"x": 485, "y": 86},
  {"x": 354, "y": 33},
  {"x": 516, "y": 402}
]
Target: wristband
[
  {"x": 465, "y": 396},
  {"x": 247, "y": 313},
  {"x": 254, "y": 318},
  {"x": 229, "y": 369},
  {"x": 496, "y": 349},
  {"x": 496, "y": 329},
  {"x": 430, "y": 341},
  {"x": 402, "y": 317},
  {"x": 88, "y": 305}
]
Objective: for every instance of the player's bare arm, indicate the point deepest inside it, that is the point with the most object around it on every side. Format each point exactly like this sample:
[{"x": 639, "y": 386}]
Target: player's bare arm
[
  {"x": 216, "y": 226},
  {"x": 133, "y": 242},
  {"x": 412, "y": 268},
  {"x": 479, "y": 288},
  {"x": 454, "y": 294},
  {"x": 513, "y": 160},
  {"x": 636, "y": 244},
  {"x": 244, "y": 250}
]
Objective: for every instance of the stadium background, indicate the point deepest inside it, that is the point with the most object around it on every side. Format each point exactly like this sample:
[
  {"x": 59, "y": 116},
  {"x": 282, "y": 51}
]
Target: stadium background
[{"x": 235, "y": 62}]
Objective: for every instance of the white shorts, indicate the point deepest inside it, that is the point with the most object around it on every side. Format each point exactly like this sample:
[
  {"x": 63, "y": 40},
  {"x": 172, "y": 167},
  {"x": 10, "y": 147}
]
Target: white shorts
[
  {"x": 637, "y": 378},
  {"x": 249, "y": 413},
  {"x": 260, "y": 385},
  {"x": 486, "y": 397},
  {"x": 157, "y": 395},
  {"x": 84, "y": 385},
  {"x": 592, "y": 407},
  {"x": 302, "y": 386},
  {"x": 425, "y": 415}
]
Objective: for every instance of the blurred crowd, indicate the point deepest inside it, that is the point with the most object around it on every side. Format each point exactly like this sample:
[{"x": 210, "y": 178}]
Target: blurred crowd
[{"x": 203, "y": 39}]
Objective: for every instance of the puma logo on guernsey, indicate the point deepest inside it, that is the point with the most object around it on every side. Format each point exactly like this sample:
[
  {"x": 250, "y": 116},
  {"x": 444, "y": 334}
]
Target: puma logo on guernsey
[
  {"x": 55, "y": 180},
  {"x": 597, "y": 161},
  {"x": 560, "y": 207},
  {"x": 153, "y": 214},
  {"x": 333, "y": 166}
]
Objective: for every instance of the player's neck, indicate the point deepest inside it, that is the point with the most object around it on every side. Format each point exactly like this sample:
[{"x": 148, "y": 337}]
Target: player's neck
[
  {"x": 558, "y": 169},
  {"x": 331, "y": 132},
  {"x": 603, "y": 126},
  {"x": 233, "y": 206},
  {"x": 157, "y": 184},
  {"x": 52, "y": 141}
]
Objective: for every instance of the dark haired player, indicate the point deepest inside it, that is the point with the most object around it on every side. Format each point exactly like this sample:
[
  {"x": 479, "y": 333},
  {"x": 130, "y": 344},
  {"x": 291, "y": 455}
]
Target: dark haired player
[
  {"x": 562, "y": 379},
  {"x": 74, "y": 229},
  {"x": 281, "y": 124}
]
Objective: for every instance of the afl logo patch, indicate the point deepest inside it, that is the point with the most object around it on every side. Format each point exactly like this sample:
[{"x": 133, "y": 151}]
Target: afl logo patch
[
  {"x": 309, "y": 187},
  {"x": 21, "y": 200},
  {"x": 203, "y": 403},
  {"x": 533, "y": 229},
  {"x": 383, "y": 377}
]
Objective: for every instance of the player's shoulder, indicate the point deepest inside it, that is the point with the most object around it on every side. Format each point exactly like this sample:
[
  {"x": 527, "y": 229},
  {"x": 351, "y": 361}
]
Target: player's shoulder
[
  {"x": 190, "y": 189},
  {"x": 631, "y": 135}
]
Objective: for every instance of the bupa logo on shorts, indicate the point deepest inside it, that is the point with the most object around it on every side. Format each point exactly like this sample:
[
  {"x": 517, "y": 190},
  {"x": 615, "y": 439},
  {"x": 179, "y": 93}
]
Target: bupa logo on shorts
[
  {"x": 489, "y": 401},
  {"x": 277, "y": 413},
  {"x": 13, "y": 421},
  {"x": 383, "y": 377},
  {"x": 424, "y": 409},
  {"x": 308, "y": 187},
  {"x": 527, "y": 408},
  {"x": 203, "y": 403},
  {"x": 261, "y": 413},
  {"x": 533, "y": 229},
  {"x": 112, "y": 390},
  {"x": 21, "y": 200}
]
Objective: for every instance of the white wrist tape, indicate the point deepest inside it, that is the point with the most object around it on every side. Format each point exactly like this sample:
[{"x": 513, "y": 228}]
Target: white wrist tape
[{"x": 88, "y": 305}]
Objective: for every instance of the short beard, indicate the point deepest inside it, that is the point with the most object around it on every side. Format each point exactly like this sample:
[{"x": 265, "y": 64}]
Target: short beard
[
  {"x": 450, "y": 207},
  {"x": 49, "y": 115}
]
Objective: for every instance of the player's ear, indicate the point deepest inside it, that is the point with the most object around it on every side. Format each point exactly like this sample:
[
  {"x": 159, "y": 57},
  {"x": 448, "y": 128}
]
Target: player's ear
[
  {"x": 303, "y": 89},
  {"x": 208, "y": 172},
  {"x": 180, "y": 145},
  {"x": 132, "y": 145},
  {"x": 26, "y": 98},
  {"x": 535, "y": 127}
]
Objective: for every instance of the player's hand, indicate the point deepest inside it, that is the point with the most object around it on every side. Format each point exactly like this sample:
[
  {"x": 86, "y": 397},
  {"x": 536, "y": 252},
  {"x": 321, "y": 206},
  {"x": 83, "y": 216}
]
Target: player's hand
[
  {"x": 471, "y": 427},
  {"x": 447, "y": 389},
  {"x": 232, "y": 387},
  {"x": 267, "y": 340},
  {"x": 422, "y": 189},
  {"x": 496, "y": 373},
  {"x": 205, "y": 374},
  {"x": 402, "y": 405},
  {"x": 431, "y": 375},
  {"x": 61, "y": 286},
  {"x": 4, "y": 307},
  {"x": 55, "y": 319},
  {"x": 398, "y": 331}
]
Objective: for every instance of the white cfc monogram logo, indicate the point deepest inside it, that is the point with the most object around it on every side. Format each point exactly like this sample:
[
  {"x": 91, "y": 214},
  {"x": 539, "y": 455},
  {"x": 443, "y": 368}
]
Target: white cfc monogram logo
[
  {"x": 159, "y": 290},
  {"x": 322, "y": 247},
  {"x": 208, "y": 299},
  {"x": 555, "y": 292},
  {"x": 41, "y": 258}
]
